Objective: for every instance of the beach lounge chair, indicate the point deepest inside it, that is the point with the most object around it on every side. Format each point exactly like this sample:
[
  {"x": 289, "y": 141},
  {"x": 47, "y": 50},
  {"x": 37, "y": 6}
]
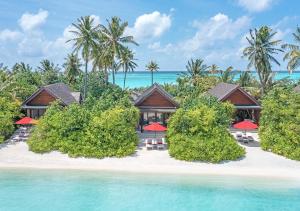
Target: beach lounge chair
[
  {"x": 245, "y": 140},
  {"x": 239, "y": 135},
  {"x": 160, "y": 144},
  {"x": 149, "y": 144},
  {"x": 250, "y": 139}
]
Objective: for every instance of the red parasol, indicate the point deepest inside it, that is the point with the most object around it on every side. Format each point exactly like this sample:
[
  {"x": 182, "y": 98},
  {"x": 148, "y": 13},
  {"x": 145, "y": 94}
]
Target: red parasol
[
  {"x": 26, "y": 121},
  {"x": 245, "y": 125},
  {"x": 155, "y": 127}
]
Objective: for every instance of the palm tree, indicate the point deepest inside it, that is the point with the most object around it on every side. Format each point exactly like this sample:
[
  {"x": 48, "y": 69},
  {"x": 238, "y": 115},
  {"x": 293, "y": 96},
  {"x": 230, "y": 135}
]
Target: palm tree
[
  {"x": 127, "y": 63},
  {"x": 102, "y": 61},
  {"x": 245, "y": 79},
  {"x": 196, "y": 69},
  {"x": 260, "y": 53},
  {"x": 227, "y": 76},
  {"x": 50, "y": 72},
  {"x": 214, "y": 69},
  {"x": 85, "y": 33},
  {"x": 72, "y": 68},
  {"x": 114, "y": 40},
  {"x": 152, "y": 66},
  {"x": 293, "y": 55}
]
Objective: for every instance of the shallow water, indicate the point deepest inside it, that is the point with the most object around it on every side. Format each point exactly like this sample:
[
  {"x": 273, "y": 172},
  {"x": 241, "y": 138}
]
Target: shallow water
[
  {"x": 143, "y": 78},
  {"x": 76, "y": 190}
]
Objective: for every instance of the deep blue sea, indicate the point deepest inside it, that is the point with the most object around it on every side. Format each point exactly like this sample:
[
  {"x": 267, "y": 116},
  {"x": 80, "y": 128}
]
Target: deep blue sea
[
  {"x": 45, "y": 190},
  {"x": 143, "y": 78}
]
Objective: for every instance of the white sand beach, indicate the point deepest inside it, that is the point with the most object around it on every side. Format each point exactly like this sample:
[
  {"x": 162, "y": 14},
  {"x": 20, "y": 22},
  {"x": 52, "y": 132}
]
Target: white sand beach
[{"x": 256, "y": 163}]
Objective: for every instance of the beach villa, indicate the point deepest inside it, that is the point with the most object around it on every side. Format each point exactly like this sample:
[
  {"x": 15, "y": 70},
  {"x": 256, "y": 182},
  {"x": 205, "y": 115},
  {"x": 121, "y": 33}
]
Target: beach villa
[
  {"x": 36, "y": 105},
  {"x": 247, "y": 107},
  {"x": 155, "y": 105}
]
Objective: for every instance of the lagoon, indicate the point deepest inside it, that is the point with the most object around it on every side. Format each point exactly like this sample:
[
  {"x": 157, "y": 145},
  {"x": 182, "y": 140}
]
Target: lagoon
[
  {"x": 88, "y": 190},
  {"x": 143, "y": 78}
]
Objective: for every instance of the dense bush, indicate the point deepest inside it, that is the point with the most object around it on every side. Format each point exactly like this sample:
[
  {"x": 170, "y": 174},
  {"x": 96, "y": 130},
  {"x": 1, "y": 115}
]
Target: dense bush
[
  {"x": 8, "y": 112},
  {"x": 280, "y": 123},
  {"x": 197, "y": 133},
  {"x": 87, "y": 131}
]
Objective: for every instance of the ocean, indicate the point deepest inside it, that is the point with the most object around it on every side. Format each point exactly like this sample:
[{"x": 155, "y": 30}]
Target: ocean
[
  {"x": 45, "y": 190},
  {"x": 143, "y": 78}
]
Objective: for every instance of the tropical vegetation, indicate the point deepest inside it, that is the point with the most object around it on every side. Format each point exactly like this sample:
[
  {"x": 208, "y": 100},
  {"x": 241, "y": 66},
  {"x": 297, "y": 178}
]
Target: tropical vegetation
[
  {"x": 279, "y": 129},
  {"x": 293, "y": 54},
  {"x": 260, "y": 53},
  {"x": 198, "y": 132},
  {"x": 103, "y": 127},
  {"x": 152, "y": 66},
  {"x": 8, "y": 113}
]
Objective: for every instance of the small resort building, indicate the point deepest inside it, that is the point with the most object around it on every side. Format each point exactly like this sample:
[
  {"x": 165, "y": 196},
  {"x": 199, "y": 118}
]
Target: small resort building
[
  {"x": 247, "y": 107},
  {"x": 36, "y": 105},
  {"x": 155, "y": 105}
]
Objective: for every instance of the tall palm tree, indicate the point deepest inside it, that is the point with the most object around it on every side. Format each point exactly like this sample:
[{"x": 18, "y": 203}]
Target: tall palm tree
[
  {"x": 152, "y": 66},
  {"x": 260, "y": 51},
  {"x": 102, "y": 61},
  {"x": 114, "y": 40},
  {"x": 293, "y": 55},
  {"x": 84, "y": 41},
  {"x": 127, "y": 63},
  {"x": 227, "y": 75},
  {"x": 196, "y": 69},
  {"x": 72, "y": 68},
  {"x": 214, "y": 69}
]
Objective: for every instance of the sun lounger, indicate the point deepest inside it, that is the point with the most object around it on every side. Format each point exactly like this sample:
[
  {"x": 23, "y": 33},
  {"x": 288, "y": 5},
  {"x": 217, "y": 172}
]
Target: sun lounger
[
  {"x": 160, "y": 144},
  {"x": 154, "y": 143},
  {"x": 239, "y": 135},
  {"x": 245, "y": 140},
  {"x": 149, "y": 144},
  {"x": 250, "y": 138}
]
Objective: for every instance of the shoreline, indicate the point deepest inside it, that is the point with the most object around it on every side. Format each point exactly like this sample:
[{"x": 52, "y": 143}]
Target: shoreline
[
  {"x": 247, "y": 173},
  {"x": 257, "y": 163}
]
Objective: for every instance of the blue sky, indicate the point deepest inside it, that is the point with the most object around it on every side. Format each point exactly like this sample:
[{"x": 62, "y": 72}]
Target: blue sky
[{"x": 168, "y": 31}]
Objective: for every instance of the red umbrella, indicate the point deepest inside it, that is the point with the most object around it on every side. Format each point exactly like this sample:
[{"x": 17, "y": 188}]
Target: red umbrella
[
  {"x": 26, "y": 121},
  {"x": 155, "y": 127},
  {"x": 245, "y": 125}
]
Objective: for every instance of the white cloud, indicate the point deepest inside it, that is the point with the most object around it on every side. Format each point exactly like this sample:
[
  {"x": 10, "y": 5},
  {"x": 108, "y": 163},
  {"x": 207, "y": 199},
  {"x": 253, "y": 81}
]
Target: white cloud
[
  {"x": 218, "y": 28},
  {"x": 10, "y": 35},
  {"x": 149, "y": 26},
  {"x": 154, "y": 46},
  {"x": 30, "y": 21},
  {"x": 255, "y": 5},
  {"x": 96, "y": 19}
]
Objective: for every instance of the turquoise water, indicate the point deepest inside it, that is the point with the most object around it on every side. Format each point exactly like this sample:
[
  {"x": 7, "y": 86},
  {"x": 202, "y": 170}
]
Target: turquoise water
[
  {"x": 75, "y": 190},
  {"x": 143, "y": 78}
]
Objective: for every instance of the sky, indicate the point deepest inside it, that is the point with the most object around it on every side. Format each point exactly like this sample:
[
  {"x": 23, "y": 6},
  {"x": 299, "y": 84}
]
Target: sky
[{"x": 169, "y": 32}]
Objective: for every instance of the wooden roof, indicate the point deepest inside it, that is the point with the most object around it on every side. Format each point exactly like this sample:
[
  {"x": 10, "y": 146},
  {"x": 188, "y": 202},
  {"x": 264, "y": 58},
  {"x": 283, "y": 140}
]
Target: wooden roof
[
  {"x": 223, "y": 90},
  {"x": 155, "y": 88},
  {"x": 59, "y": 91}
]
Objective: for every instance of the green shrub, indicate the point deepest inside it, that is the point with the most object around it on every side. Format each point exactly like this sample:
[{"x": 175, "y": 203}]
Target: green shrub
[
  {"x": 81, "y": 131},
  {"x": 8, "y": 111},
  {"x": 196, "y": 134},
  {"x": 279, "y": 129}
]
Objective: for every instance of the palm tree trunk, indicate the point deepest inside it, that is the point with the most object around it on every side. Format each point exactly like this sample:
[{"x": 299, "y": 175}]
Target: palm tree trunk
[
  {"x": 85, "y": 79},
  {"x": 125, "y": 79},
  {"x": 105, "y": 75},
  {"x": 152, "y": 77},
  {"x": 113, "y": 73}
]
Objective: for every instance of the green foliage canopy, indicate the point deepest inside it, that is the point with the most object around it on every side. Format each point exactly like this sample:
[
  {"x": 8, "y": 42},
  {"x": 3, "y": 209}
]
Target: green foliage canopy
[
  {"x": 198, "y": 132},
  {"x": 279, "y": 129}
]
